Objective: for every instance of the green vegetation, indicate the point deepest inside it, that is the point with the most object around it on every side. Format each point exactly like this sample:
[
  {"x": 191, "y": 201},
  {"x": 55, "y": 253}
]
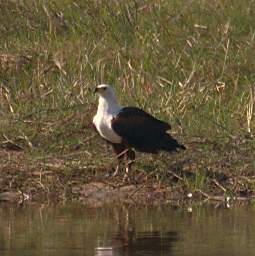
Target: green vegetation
[{"x": 188, "y": 62}]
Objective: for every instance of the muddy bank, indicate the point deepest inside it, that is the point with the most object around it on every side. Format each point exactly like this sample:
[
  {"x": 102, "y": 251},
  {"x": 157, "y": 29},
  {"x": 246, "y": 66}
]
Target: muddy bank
[{"x": 190, "y": 178}]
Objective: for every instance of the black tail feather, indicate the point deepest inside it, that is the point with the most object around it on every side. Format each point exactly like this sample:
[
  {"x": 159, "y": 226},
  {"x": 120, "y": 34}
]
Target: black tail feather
[{"x": 170, "y": 144}]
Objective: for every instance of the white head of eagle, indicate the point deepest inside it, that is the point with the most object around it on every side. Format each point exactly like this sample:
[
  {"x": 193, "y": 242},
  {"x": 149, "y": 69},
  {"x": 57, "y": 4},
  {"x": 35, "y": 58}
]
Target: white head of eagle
[{"x": 128, "y": 128}]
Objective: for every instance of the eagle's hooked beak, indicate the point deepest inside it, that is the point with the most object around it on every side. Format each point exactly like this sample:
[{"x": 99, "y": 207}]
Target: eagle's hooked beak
[{"x": 96, "y": 90}]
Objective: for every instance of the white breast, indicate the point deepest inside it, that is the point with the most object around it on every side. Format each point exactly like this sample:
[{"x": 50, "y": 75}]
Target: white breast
[
  {"x": 103, "y": 126},
  {"x": 107, "y": 109}
]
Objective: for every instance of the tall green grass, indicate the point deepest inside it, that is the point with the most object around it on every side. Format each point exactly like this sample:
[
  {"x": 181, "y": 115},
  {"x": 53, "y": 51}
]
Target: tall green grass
[{"x": 190, "y": 63}]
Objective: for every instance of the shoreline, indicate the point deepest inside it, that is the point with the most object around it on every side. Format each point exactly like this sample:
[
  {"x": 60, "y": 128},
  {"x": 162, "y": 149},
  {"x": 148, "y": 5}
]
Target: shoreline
[{"x": 23, "y": 179}]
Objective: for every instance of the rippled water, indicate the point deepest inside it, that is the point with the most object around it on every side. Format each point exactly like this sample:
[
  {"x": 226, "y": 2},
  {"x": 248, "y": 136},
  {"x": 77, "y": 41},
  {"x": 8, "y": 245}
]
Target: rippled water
[{"x": 75, "y": 230}]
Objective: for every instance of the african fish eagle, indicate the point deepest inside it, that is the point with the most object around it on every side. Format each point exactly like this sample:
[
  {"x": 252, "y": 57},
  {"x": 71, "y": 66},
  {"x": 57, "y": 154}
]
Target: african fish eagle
[{"x": 128, "y": 128}]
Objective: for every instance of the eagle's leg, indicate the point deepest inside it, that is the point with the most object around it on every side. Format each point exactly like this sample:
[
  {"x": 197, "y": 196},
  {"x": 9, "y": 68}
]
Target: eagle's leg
[
  {"x": 116, "y": 170},
  {"x": 119, "y": 149},
  {"x": 130, "y": 158},
  {"x": 123, "y": 153}
]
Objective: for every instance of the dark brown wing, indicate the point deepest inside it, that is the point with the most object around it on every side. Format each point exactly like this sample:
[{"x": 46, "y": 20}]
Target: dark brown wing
[{"x": 139, "y": 129}]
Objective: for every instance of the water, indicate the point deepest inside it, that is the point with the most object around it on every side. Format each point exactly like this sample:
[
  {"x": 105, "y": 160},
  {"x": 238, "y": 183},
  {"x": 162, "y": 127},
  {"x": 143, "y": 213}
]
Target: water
[{"x": 116, "y": 231}]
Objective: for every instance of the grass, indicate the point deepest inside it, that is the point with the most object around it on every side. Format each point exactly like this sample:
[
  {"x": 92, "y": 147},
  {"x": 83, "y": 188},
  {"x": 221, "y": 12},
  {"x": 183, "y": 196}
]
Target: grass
[{"x": 190, "y": 63}]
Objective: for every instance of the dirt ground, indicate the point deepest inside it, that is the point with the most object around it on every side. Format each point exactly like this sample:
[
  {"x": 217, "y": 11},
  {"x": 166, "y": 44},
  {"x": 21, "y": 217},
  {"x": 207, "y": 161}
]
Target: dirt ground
[{"x": 227, "y": 175}]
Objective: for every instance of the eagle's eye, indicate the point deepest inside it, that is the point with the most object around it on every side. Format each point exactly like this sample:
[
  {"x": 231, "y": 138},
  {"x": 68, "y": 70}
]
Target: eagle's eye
[{"x": 104, "y": 88}]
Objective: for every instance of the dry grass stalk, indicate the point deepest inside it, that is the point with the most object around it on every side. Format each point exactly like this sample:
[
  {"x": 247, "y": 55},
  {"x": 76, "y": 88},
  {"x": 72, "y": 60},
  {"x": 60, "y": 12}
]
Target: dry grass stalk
[{"x": 250, "y": 107}]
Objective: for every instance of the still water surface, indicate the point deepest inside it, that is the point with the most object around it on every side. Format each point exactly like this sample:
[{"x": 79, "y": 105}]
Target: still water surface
[{"x": 75, "y": 230}]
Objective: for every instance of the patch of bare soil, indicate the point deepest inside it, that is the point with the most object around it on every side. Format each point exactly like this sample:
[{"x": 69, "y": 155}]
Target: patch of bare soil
[
  {"x": 22, "y": 179},
  {"x": 227, "y": 175}
]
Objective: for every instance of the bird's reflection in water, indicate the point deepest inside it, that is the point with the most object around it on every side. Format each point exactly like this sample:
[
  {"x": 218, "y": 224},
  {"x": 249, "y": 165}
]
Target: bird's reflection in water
[
  {"x": 139, "y": 243},
  {"x": 128, "y": 241}
]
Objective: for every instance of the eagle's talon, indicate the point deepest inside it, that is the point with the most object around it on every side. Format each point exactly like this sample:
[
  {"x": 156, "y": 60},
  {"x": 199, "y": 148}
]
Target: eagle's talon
[{"x": 125, "y": 177}]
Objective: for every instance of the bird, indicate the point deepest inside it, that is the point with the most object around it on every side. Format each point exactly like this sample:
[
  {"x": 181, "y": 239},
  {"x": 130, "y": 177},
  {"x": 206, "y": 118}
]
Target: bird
[{"x": 130, "y": 129}]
